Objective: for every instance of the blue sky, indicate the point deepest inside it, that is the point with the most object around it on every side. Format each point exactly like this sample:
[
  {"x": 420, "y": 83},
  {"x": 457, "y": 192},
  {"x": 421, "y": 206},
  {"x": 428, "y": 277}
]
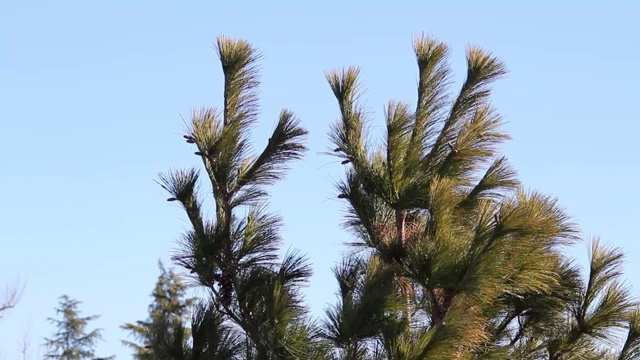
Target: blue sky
[{"x": 91, "y": 94}]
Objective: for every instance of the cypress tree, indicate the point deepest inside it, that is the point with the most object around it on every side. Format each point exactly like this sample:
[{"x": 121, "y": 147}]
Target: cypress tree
[{"x": 168, "y": 314}]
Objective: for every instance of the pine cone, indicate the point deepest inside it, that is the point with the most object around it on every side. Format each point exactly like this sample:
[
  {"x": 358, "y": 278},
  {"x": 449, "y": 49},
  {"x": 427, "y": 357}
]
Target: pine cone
[{"x": 226, "y": 288}]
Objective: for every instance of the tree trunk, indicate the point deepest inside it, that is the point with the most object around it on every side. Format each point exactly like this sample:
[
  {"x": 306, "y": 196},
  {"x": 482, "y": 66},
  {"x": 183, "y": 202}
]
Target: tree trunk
[
  {"x": 400, "y": 227},
  {"x": 441, "y": 300}
]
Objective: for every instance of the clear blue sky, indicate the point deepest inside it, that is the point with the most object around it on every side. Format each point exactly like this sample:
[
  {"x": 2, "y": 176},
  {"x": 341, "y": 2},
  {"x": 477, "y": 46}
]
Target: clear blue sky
[{"x": 91, "y": 94}]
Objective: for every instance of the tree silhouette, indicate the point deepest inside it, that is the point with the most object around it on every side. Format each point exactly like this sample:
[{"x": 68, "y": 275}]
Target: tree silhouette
[
  {"x": 72, "y": 340},
  {"x": 167, "y": 317}
]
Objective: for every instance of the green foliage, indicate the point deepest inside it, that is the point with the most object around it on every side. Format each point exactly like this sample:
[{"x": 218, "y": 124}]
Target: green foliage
[
  {"x": 167, "y": 315},
  {"x": 256, "y": 309},
  {"x": 458, "y": 260},
  {"x": 476, "y": 262},
  {"x": 72, "y": 340}
]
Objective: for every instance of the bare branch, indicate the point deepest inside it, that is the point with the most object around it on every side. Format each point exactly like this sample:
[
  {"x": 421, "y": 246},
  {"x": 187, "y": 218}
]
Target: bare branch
[
  {"x": 25, "y": 345},
  {"x": 10, "y": 296}
]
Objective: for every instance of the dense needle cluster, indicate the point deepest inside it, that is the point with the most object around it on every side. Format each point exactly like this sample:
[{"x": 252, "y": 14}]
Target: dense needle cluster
[
  {"x": 459, "y": 261},
  {"x": 256, "y": 309},
  {"x": 476, "y": 262}
]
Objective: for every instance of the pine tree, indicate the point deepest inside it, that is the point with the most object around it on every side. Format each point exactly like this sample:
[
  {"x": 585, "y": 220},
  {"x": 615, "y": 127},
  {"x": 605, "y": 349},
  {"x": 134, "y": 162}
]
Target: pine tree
[
  {"x": 582, "y": 323},
  {"x": 72, "y": 340},
  {"x": 256, "y": 309},
  {"x": 461, "y": 261},
  {"x": 168, "y": 314}
]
